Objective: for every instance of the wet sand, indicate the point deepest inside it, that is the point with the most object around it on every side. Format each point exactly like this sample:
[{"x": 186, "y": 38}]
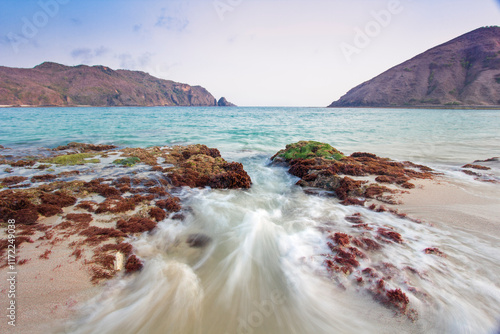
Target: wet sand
[
  {"x": 48, "y": 291},
  {"x": 473, "y": 209}
]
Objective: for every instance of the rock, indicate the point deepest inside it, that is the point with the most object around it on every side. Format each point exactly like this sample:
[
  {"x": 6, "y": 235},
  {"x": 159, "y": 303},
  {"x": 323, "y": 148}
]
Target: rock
[
  {"x": 308, "y": 150},
  {"x": 198, "y": 166},
  {"x": 119, "y": 261},
  {"x": 225, "y": 103},
  {"x": 133, "y": 264},
  {"x": 494, "y": 159},
  {"x": 476, "y": 167},
  {"x": 319, "y": 165},
  {"x": 84, "y": 148},
  {"x": 11, "y": 180},
  {"x": 198, "y": 240}
]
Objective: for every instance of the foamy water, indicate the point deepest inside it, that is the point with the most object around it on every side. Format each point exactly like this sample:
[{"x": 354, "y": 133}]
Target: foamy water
[{"x": 262, "y": 271}]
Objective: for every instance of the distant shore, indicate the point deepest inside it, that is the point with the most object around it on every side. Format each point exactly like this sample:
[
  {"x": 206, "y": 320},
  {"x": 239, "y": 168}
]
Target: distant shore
[
  {"x": 424, "y": 107},
  {"x": 372, "y": 107}
]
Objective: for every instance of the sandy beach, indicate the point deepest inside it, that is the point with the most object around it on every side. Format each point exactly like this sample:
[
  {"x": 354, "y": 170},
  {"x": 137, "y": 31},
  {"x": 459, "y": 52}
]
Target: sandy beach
[
  {"x": 442, "y": 201},
  {"x": 49, "y": 288}
]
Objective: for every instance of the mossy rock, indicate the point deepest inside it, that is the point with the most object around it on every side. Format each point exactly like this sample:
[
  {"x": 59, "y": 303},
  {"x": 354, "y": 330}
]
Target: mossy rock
[
  {"x": 128, "y": 162},
  {"x": 73, "y": 159},
  {"x": 309, "y": 150}
]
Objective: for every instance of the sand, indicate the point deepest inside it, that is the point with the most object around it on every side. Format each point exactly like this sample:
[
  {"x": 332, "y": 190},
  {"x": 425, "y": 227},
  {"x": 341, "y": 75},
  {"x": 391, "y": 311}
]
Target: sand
[
  {"x": 474, "y": 208},
  {"x": 48, "y": 291}
]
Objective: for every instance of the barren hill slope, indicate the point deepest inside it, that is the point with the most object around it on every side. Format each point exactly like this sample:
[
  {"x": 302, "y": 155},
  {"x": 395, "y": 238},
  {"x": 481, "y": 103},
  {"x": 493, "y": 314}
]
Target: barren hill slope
[
  {"x": 51, "y": 84},
  {"x": 462, "y": 72}
]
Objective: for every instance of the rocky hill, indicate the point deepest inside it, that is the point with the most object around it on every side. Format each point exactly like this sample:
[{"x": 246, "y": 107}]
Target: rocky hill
[
  {"x": 464, "y": 72},
  {"x": 225, "y": 103},
  {"x": 51, "y": 84}
]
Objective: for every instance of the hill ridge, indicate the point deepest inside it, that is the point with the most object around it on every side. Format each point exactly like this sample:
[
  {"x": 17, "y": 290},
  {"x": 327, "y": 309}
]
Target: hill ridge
[{"x": 54, "y": 84}]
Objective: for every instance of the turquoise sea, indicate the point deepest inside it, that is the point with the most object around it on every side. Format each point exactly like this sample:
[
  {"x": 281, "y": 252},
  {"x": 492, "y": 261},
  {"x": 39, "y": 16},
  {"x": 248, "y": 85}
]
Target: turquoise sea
[
  {"x": 264, "y": 273},
  {"x": 445, "y": 136}
]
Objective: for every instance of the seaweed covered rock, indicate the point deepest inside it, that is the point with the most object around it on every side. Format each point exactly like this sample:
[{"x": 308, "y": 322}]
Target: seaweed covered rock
[
  {"x": 321, "y": 166},
  {"x": 83, "y": 148},
  {"x": 200, "y": 166}
]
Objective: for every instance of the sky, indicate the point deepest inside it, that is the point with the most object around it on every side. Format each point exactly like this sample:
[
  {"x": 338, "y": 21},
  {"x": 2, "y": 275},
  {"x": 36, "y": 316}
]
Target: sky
[{"x": 253, "y": 52}]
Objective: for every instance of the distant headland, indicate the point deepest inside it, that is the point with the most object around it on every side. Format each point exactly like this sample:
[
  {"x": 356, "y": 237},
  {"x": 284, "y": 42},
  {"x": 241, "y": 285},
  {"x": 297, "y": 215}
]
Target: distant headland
[
  {"x": 56, "y": 85},
  {"x": 462, "y": 73}
]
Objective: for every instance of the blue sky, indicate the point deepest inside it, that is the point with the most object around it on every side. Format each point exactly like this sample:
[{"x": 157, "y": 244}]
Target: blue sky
[{"x": 253, "y": 52}]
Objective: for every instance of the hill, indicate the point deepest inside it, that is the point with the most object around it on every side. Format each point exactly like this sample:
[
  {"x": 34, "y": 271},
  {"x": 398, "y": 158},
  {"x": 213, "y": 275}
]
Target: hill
[
  {"x": 52, "y": 84},
  {"x": 464, "y": 72}
]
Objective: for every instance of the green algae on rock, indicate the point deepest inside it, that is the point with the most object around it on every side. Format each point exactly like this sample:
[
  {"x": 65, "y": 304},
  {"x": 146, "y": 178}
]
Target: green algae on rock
[
  {"x": 73, "y": 159},
  {"x": 127, "y": 162},
  {"x": 309, "y": 150}
]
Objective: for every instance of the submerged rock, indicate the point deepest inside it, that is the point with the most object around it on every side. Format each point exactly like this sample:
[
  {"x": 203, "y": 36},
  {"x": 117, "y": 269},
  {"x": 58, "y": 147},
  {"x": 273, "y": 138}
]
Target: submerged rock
[
  {"x": 198, "y": 240},
  {"x": 83, "y": 148}
]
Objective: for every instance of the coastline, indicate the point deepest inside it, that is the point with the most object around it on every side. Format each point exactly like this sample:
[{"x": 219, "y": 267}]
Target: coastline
[
  {"x": 327, "y": 107},
  {"x": 438, "y": 107}
]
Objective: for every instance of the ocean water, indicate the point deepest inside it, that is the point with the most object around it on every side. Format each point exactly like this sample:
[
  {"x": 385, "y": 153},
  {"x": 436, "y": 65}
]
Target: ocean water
[
  {"x": 263, "y": 271},
  {"x": 432, "y": 136}
]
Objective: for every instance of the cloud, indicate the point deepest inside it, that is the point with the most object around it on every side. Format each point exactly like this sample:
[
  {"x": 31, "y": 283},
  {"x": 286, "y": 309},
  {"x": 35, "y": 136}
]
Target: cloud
[
  {"x": 81, "y": 53},
  {"x": 127, "y": 61},
  {"x": 169, "y": 22},
  {"x": 5, "y": 40},
  {"x": 76, "y": 22},
  {"x": 101, "y": 51},
  {"x": 87, "y": 55},
  {"x": 137, "y": 27}
]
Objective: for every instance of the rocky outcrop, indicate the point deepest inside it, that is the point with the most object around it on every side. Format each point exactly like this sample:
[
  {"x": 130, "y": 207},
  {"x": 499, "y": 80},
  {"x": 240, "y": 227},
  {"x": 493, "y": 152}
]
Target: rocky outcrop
[
  {"x": 225, "y": 103},
  {"x": 51, "y": 84},
  {"x": 464, "y": 72},
  {"x": 320, "y": 166},
  {"x": 141, "y": 189}
]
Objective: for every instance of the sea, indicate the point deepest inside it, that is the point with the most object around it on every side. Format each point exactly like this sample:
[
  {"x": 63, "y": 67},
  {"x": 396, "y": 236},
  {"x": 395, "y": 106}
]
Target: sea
[{"x": 263, "y": 271}]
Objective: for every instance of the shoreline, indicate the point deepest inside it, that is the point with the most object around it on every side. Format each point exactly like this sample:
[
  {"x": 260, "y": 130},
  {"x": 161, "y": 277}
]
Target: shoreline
[
  {"x": 54, "y": 282},
  {"x": 320, "y": 107},
  {"x": 439, "y": 107}
]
